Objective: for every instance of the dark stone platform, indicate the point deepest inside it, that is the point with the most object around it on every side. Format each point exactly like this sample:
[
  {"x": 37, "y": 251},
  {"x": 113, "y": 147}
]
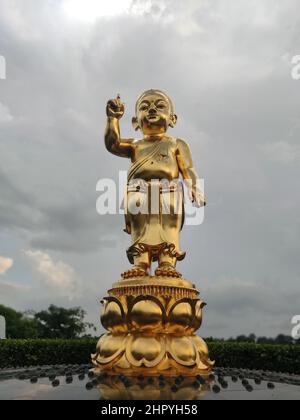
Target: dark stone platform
[{"x": 79, "y": 383}]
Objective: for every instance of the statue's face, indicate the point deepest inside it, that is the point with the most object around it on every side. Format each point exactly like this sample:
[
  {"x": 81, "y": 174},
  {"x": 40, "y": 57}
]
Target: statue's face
[{"x": 154, "y": 114}]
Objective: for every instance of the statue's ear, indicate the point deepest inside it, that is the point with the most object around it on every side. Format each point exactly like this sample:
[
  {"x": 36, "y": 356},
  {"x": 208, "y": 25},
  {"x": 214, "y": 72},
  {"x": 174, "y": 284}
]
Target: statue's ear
[
  {"x": 173, "y": 120},
  {"x": 135, "y": 124}
]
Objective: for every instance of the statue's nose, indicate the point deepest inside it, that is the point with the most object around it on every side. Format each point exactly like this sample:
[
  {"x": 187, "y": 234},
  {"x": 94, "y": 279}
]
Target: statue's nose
[{"x": 152, "y": 110}]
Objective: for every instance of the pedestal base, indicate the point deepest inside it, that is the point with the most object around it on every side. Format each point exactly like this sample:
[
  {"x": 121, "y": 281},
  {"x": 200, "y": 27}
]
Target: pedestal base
[{"x": 152, "y": 324}]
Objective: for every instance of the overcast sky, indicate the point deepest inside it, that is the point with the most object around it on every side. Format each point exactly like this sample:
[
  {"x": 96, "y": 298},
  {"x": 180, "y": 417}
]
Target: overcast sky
[{"x": 227, "y": 66}]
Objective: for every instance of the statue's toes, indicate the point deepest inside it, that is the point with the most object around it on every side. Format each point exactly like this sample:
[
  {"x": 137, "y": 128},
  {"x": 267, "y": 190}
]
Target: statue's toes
[
  {"x": 135, "y": 272},
  {"x": 126, "y": 275},
  {"x": 168, "y": 272},
  {"x": 141, "y": 273}
]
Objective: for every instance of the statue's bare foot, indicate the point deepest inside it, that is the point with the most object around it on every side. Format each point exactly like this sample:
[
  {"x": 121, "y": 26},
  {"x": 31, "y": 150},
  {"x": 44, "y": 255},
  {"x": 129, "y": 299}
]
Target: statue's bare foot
[
  {"x": 167, "y": 270},
  {"x": 135, "y": 272}
]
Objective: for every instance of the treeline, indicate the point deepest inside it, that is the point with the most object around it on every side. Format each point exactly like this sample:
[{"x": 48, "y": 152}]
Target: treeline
[
  {"x": 54, "y": 323},
  {"x": 61, "y": 323},
  {"x": 281, "y": 339}
]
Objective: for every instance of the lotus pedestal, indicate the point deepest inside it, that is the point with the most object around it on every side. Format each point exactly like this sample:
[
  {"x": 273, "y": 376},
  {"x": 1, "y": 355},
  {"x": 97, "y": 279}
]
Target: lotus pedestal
[{"x": 151, "y": 324}]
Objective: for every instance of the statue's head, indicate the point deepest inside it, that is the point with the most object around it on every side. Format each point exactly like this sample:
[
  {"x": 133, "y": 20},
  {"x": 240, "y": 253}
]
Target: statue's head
[{"x": 154, "y": 112}]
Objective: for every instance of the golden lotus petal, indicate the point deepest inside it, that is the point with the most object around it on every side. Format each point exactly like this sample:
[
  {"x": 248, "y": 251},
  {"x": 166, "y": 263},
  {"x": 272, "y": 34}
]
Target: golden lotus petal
[
  {"x": 204, "y": 362},
  {"x": 183, "y": 350},
  {"x": 181, "y": 317},
  {"x": 110, "y": 347},
  {"x": 113, "y": 318},
  {"x": 145, "y": 351},
  {"x": 198, "y": 315},
  {"x": 123, "y": 363},
  {"x": 146, "y": 314},
  {"x": 200, "y": 345}
]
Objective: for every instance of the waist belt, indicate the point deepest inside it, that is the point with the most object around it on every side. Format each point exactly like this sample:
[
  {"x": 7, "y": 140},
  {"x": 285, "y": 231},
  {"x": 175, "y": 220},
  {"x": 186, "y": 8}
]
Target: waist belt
[{"x": 145, "y": 187}]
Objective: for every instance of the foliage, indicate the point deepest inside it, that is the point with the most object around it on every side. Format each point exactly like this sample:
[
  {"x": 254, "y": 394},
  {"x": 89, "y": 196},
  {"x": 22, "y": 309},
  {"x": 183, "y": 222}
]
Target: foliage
[
  {"x": 61, "y": 323},
  {"x": 54, "y": 323},
  {"x": 20, "y": 353},
  {"x": 280, "y": 339},
  {"x": 277, "y": 358},
  {"x": 18, "y": 325}
]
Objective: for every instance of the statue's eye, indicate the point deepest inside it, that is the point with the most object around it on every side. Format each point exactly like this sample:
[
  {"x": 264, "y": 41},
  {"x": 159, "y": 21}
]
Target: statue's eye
[
  {"x": 143, "y": 108},
  {"x": 161, "y": 106}
]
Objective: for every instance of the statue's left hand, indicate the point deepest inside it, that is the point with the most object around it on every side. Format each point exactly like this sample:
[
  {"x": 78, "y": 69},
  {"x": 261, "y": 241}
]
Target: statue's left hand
[{"x": 197, "y": 198}]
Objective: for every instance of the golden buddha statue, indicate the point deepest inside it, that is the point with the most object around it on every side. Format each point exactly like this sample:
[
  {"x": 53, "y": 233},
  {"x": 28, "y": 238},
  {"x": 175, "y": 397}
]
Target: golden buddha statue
[
  {"x": 152, "y": 320},
  {"x": 156, "y": 158}
]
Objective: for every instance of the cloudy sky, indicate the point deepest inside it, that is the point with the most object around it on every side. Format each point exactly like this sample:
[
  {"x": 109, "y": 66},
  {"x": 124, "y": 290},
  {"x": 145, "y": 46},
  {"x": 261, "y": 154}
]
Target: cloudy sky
[{"x": 227, "y": 66}]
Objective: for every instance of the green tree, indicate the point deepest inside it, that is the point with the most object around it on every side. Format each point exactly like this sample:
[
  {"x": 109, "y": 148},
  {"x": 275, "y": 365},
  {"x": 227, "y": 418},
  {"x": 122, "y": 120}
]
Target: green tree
[
  {"x": 252, "y": 338},
  {"x": 265, "y": 340},
  {"x": 18, "y": 325},
  {"x": 284, "y": 339},
  {"x": 244, "y": 339},
  {"x": 61, "y": 323}
]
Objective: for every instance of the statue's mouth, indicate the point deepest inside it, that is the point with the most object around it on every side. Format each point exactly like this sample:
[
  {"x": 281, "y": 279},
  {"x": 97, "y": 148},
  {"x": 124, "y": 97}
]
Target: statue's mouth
[{"x": 153, "y": 117}]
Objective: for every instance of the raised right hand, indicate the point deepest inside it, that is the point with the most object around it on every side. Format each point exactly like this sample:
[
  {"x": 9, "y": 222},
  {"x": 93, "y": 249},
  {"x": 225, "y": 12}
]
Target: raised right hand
[{"x": 115, "y": 108}]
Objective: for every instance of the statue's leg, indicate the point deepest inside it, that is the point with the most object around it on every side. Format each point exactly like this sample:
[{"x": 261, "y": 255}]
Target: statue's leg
[
  {"x": 167, "y": 267},
  {"x": 141, "y": 267},
  {"x": 170, "y": 226}
]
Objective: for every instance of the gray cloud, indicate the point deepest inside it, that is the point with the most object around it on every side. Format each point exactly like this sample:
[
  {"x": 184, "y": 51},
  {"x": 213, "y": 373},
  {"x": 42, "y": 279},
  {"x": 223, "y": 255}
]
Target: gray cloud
[{"x": 227, "y": 66}]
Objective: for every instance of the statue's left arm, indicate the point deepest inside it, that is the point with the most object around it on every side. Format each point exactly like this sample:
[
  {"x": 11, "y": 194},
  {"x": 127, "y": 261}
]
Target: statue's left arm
[{"x": 189, "y": 173}]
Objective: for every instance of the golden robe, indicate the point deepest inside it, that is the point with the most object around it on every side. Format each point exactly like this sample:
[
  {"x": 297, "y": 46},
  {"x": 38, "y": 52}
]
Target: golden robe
[{"x": 155, "y": 207}]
